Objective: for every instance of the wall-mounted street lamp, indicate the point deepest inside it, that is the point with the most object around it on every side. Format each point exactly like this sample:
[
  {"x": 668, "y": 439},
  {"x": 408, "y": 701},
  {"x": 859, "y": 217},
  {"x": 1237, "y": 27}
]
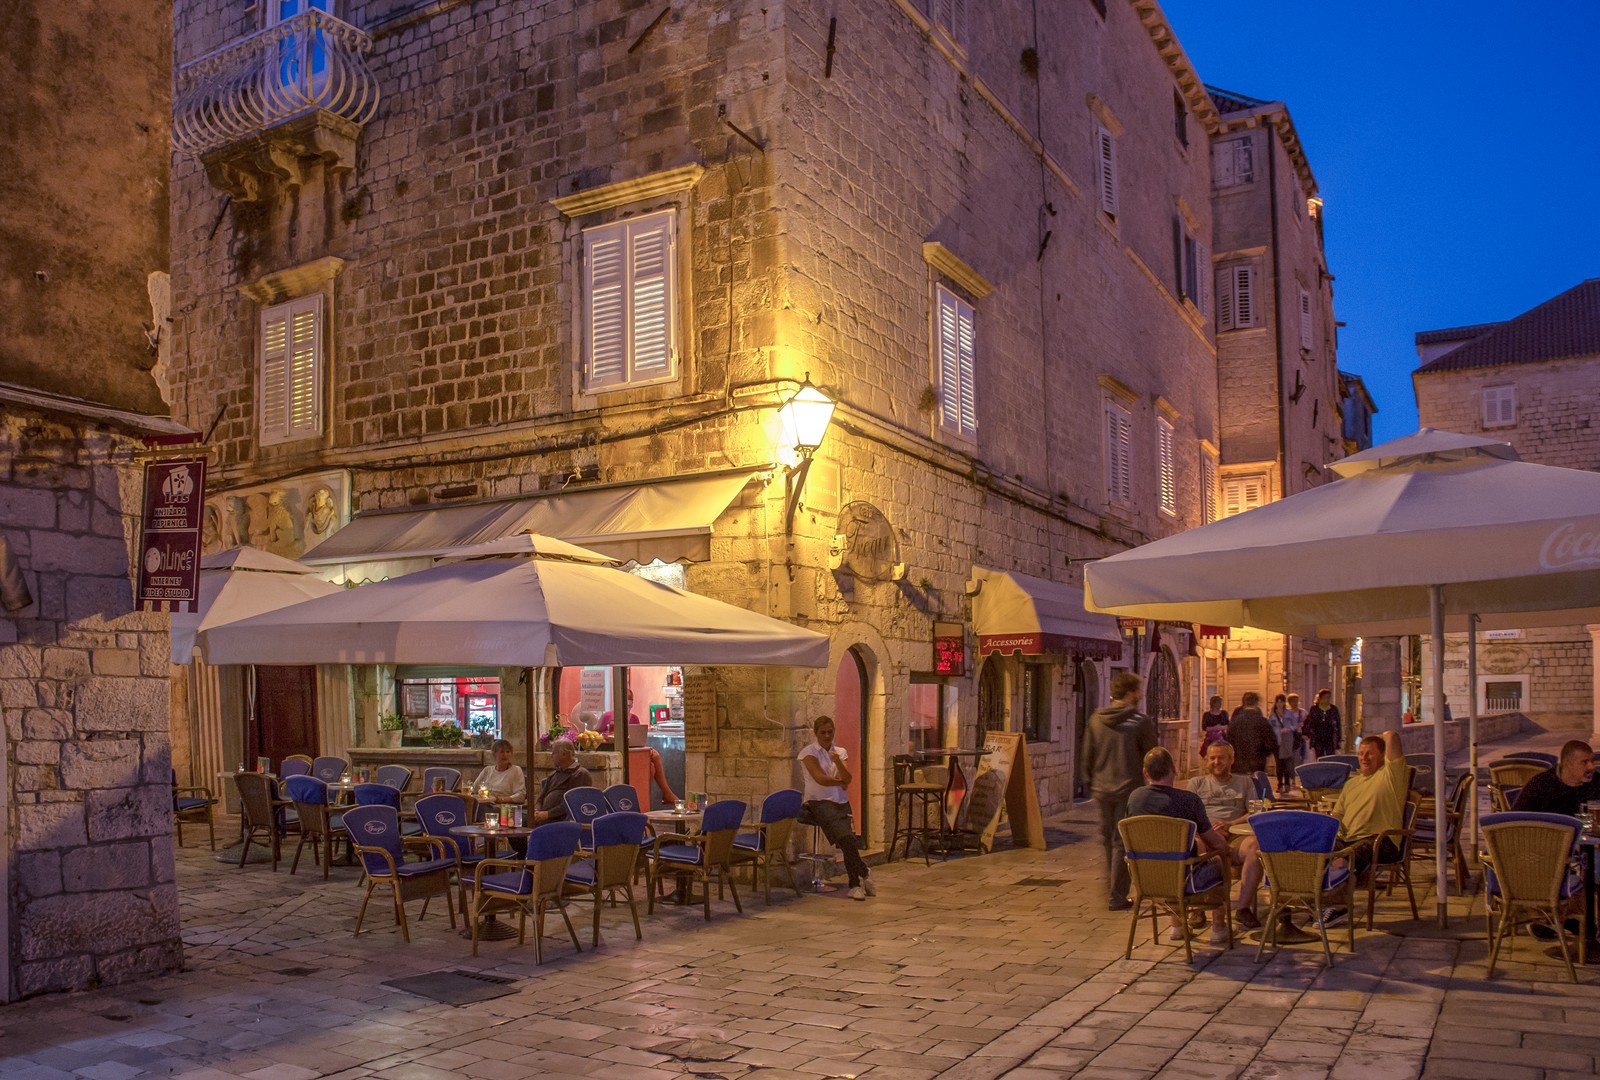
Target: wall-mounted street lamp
[{"x": 805, "y": 418}]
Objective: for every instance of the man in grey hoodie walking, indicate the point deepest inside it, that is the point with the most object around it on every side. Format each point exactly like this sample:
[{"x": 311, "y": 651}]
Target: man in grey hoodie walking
[{"x": 1115, "y": 742}]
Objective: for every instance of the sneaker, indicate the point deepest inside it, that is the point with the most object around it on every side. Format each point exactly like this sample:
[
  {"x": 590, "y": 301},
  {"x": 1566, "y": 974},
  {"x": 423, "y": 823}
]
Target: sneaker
[
  {"x": 1247, "y": 919},
  {"x": 1119, "y": 905},
  {"x": 1332, "y": 917},
  {"x": 1219, "y": 935},
  {"x": 866, "y": 883},
  {"x": 1178, "y": 934},
  {"x": 858, "y": 893},
  {"x": 1542, "y": 932}
]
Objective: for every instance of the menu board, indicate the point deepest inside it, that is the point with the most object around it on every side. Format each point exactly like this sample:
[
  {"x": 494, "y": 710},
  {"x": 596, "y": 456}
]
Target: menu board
[
  {"x": 1004, "y": 778},
  {"x": 699, "y": 717}
]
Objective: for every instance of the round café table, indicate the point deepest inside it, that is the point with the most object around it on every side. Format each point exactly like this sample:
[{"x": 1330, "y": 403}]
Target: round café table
[
  {"x": 490, "y": 928},
  {"x": 675, "y": 821}
]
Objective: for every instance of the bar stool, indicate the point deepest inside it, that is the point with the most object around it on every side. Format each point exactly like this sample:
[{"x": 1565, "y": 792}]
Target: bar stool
[
  {"x": 820, "y": 856},
  {"x": 920, "y": 792}
]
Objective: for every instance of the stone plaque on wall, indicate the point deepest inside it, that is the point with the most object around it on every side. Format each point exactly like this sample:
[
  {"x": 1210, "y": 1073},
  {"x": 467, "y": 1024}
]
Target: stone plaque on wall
[
  {"x": 287, "y": 518},
  {"x": 865, "y": 543},
  {"x": 699, "y": 716}
]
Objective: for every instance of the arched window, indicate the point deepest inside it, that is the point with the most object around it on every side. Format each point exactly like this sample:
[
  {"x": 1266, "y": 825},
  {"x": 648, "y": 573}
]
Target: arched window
[
  {"x": 991, "y": 700},
  {"x": 1163, "y": 697}
]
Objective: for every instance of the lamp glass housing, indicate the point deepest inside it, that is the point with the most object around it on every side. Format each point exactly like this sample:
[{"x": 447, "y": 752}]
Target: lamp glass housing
[{"x": 805, "y": 418}]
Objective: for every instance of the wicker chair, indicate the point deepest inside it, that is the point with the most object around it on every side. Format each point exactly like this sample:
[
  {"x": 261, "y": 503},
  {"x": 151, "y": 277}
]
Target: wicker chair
[
  {"x": 1321, "y": 779},
  {"x": 1502, "y": 799},
  {"x": 1550, "y": 761},
  {"x": 1352, "y": 760},
  {"x": 1397, "y": 869},
  {"x": 294, "y": 765},
  {"x": 375, "y": 837},
  {"x": 1527, "y": 878},
  {"x": 395, "y": 776},
  {"x": 436, "y": 816},
  {"x": 531, "y": 885},
  {"x": 329, "y": 769},
  {"x": 192, "y": 806},
  {"x": 261, "y": 810},
  {"x": 320, "y": 825},
  {"x": 767, "y": 843},
  {"x": 1426, "y": 833},
  {"x": 704, "y": 856},
  {"x": 1297, "y": 852},
  {"x": 608, "y": 874},
  {"x": 1167, "y": 874},
  {"x": 1508, "y": 772}
]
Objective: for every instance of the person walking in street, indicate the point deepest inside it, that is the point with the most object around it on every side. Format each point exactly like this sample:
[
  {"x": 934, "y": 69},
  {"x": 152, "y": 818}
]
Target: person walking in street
[
  {"x": 1251, "y": 737},
  {"x": 1324, "y": 727},
  {"x": 827, "y": 803},
  {"x": 1285, "y": 726},
  {"x": 1115, "y": 741}
]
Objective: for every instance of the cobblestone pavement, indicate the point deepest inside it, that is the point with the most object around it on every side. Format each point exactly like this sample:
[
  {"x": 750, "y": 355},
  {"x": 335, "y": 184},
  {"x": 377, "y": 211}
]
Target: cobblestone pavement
[{"x": 999, "y": 965}]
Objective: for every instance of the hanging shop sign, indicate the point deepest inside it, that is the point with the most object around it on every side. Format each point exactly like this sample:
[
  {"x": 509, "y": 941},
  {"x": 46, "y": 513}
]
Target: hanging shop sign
[
  {"x": 169, "y": 541},
  {"x": 864, "y": 543},
  {"x": 949, "y": 649}
]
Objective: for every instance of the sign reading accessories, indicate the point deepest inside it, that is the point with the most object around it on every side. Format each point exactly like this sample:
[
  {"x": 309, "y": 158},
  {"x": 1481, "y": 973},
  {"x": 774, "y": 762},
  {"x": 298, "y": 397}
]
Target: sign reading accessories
[
  {"x": 1033, "y": 644},
  {"x": 169, "y": 542}
]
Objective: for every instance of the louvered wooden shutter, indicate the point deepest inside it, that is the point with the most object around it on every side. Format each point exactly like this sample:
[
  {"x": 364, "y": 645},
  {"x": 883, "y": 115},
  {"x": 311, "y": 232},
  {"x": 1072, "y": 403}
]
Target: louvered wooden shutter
[
  {"x": 629, "y": 302},
  {"x": 1306, "y": 328},
  {"x": 1106, "y": 156},
  {"x": 1225, "y": 319},
  {"x": 1119, "y": 453},
  {"x": 1167, "y": 464},
  {"x": 1241, "y": 493},
  {"x": 291, "y": 370},
  {"x": 957, "y": 364},
  {"x": 1244, "y": 294},
  {"x": 1208, "y": 487},
  {"x": 952, "y": 16},
  {"x": 1203, "y": 273},
  {"x": 650, "y": 248},
  {"x": 606, "y": 266}
]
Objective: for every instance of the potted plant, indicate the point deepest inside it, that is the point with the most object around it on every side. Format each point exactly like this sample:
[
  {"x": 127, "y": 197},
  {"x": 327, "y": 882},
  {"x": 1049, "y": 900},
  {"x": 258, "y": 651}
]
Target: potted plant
[
  {"x": 390, "y": 728},
  {"x": 482, "y": 732},
  {"x": 444, "y": 736}
]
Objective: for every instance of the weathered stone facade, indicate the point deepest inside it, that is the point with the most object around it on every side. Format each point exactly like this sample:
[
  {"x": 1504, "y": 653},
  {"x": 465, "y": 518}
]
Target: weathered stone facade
[
  {"x": 829, "y": 169},
  {"x": 85, "y": 780}
]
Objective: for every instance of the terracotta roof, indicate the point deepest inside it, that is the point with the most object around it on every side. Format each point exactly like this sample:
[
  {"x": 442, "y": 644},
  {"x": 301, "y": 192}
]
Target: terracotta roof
[
  {"x": 1560, "y": 328},
  {"x": 1454, "y": 333},
  {"x": 1229, "y": 102}
]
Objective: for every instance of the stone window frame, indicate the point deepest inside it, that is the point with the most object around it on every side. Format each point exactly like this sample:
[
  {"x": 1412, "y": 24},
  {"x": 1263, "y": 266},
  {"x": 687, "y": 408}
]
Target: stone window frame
[
  {"x": 305, "y": 287},
  {"x": 1499, "y": 404},
  {"x": 1238, "y": 285},
  {"x": 670, "y": 190},
  {"x": 1210, "y": 487},
  {"x": 1233, "y": 162},
  {"x": 1166, "y": 467},
  {"x": 1116, "y": 432},
  {"x": 1236, "y": 492},
  {"x": 1192, "y": 272},
  {"x": 956, "y": 290}
]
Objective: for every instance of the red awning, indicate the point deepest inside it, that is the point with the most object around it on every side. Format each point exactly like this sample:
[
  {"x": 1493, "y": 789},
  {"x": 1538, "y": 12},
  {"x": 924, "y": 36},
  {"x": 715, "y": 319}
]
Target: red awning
[{"x": 1015, "y": 613}]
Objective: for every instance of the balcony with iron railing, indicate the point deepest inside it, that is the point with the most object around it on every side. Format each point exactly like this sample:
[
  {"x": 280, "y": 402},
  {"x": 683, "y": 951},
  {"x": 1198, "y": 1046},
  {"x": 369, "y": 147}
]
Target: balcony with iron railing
[{"x": 263, "y": 108}]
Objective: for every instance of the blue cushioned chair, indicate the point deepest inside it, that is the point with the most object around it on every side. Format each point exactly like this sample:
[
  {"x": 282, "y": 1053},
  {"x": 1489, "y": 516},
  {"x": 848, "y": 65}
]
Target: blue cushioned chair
[
  {"x": 1298, "y": 849},
  {"x": 375, "y": 837},
  {"x": 329, "y": 769},
  {"x": 451, "y": 778},
  {"x": 1397, "y": 868},
  {"x": 294, "y": 766},
  {"x": 1426, "y": 833},
  {"x": 531, "y": 885},
  {"x": 192, "y": 806},
  {"x": 609, "y": 873},
  {"x": 584, "y": 804},
  {"x": 436, "y": 816},
  {"x": 384, "y": 795},
  {"x": 702, "y": 857},
  {"x": 1528, "y": 877},
  {"x": 320, "y": 825},
  {"x": 1320, "y": 779},
  {"x": 395, "y": 776},
  {"x": 1550, "y": 761},
  {"x": 1261, "y": 784},
  {"x": 622, "y": 798},
  {"x": 1165, "y": 873},
  {"x": 767, "y": 845},
  {"x": 1351, "y": 760}
]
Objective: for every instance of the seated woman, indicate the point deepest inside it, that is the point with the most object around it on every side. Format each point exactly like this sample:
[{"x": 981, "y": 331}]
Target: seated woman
[
  {"x": 504, "y": 781},
  {"x": 827, "y": 803}
]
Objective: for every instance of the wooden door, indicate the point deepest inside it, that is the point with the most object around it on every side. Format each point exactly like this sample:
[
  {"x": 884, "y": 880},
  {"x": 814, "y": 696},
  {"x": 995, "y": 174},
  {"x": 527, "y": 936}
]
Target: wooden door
[{"x": 286, "y": 713}]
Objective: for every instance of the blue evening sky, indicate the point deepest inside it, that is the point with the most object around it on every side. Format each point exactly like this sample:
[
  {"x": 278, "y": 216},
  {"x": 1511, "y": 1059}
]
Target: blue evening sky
[{"x": 1456, "y": 145}]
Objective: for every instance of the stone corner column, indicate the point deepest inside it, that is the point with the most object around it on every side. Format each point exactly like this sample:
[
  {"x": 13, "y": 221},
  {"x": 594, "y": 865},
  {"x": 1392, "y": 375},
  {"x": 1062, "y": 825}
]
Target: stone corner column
[{"x": 1594, "y": 699}]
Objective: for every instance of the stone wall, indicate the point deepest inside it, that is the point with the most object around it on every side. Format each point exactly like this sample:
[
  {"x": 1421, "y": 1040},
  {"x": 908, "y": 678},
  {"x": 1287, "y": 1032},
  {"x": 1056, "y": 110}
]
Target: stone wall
[{"x": 84, "y": 697}]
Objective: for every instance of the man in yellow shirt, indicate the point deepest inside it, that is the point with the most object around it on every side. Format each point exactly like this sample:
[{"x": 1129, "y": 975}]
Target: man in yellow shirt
[{"x": 1372, "y": 801}]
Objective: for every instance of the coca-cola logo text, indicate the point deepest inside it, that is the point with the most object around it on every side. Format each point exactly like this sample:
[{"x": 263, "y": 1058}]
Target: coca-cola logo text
[{"x": 1566, "y": 548}]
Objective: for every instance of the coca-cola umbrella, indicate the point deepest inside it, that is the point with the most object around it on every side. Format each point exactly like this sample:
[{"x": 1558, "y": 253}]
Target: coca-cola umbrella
[{"x": 1418, "y": 535}]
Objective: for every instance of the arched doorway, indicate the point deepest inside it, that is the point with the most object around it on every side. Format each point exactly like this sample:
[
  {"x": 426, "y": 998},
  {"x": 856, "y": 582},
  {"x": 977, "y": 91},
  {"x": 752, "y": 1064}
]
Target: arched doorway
[
  {"x": 1087, "y": 699},
  {"x": 991, "y": 700},
  {"x": 850, "y": 727}
]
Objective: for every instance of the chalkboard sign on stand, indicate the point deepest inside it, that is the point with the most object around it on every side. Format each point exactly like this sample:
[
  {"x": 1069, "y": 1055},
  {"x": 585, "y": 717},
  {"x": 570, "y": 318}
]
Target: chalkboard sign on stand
[{"x": 1005, "y": 779}]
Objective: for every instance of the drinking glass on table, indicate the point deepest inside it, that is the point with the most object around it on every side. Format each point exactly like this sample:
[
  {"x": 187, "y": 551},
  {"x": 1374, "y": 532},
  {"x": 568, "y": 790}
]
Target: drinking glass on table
[
  {"x": 491, "y": 821},
  {"x": 1586, "y": 815}
]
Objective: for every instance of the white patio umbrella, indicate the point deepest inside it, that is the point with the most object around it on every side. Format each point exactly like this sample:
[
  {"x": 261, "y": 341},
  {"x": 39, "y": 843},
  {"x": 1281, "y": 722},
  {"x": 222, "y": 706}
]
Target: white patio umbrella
[
  {"x": 238, "y": 583},
  {"x": 541, "y": 610},
  {"x": 1421, "y": 532}
]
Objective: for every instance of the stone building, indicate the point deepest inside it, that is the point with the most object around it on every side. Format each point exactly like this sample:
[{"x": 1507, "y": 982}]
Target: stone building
[
  {"x": 488, "y": 265},
  {"x": 1530, "y": 381},
  {"x": 85, "y": 780},
  {"x": 1279, "y": 389}
]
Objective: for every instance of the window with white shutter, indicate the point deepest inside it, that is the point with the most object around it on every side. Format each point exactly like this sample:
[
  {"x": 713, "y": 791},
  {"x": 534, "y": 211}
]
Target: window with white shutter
[
  {"x": 1499, "y": 406},
  {"x": 1119, "y": 455},
  {"x": 957, "y": 360},
  {"x": 1166, "y": 467},
  {"x": 950, "y": 16},
  {"x": 1105, "y": 148},
  {"x": 630, "y": 302},
  {"x": 1241, "y": 493},
  {"x": 1208, "y": 486},
  {"x": 1236, "y": 296},
  {"x": 1307, "y": 328},
  {"x": 291, "y": 370},
  {"x": 1203, "y": 278},
  {"x": 1233, "y": 162}
]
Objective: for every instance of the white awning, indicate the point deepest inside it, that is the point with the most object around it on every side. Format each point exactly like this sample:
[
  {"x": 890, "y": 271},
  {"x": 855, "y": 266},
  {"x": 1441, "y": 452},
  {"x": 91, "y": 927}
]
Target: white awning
[
  {"x": 668, "y": 520},
  {"x": 1015, "y": 613}
]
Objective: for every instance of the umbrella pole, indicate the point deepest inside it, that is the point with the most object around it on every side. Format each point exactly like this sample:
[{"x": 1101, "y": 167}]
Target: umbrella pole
[
  {"x": 1436, "y": 611},
  {"x": 1472, "y": 737}
]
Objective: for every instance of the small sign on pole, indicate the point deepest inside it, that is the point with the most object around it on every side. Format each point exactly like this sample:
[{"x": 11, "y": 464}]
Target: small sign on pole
[{"x": 169, "y": 541}]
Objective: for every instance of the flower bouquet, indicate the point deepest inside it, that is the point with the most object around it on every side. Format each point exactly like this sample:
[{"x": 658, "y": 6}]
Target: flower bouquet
[{"x": 442, "y": 735}]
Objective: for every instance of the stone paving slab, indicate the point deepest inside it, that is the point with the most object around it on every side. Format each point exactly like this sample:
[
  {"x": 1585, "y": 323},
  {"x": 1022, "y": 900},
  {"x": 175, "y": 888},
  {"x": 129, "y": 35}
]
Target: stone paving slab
[{"x": 955, "y": 970}]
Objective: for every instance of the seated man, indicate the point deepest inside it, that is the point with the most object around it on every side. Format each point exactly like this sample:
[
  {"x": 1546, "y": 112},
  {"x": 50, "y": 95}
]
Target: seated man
[
  {"x": 1160, "y": 797},
  {"x": 1226, "y": 797},
  {"x": 565, "y": 775},
  {"x": 1372, "y": 801},
  {"x": 1565, "y": 788}
]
